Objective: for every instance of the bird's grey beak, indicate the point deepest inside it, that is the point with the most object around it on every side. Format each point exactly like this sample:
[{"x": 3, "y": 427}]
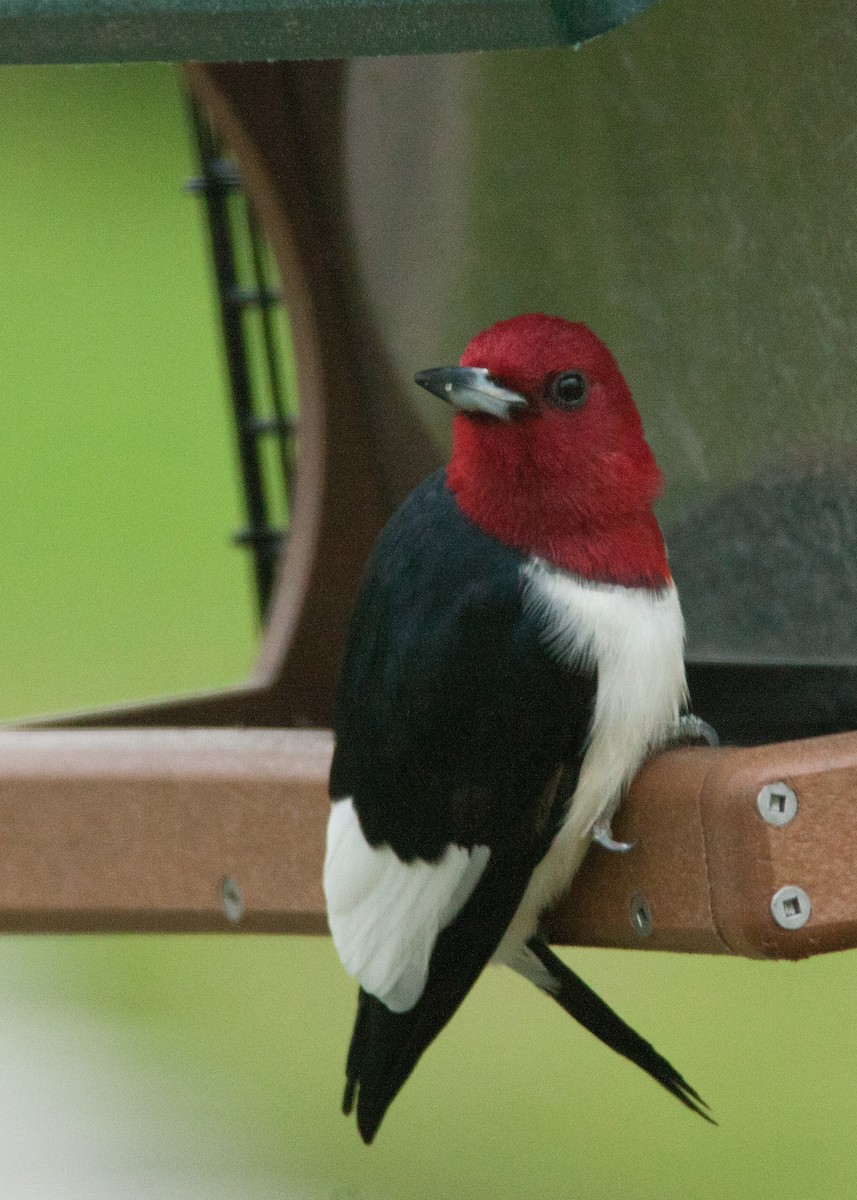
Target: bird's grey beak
[{"x": 471, "y": 389}]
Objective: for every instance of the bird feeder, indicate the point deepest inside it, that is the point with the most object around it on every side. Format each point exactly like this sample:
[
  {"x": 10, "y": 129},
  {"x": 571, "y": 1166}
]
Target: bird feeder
[{"x": 386, "y": 190}]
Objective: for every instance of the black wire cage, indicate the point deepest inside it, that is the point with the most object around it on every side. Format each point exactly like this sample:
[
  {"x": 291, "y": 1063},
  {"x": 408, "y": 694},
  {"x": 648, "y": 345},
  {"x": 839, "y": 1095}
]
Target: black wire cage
[{"x": 252, "y": 320}]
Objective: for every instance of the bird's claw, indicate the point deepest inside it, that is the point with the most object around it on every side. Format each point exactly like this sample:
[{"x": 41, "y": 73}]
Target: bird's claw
[
  {"x": 602, "y": 835},
  {"x": 691, "y": 730}
]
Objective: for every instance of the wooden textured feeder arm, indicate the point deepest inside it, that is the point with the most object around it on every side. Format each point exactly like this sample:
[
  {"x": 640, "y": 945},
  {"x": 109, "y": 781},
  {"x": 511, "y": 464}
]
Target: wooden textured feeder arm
[
  {"x": 709, "y": 870},
  {"x": 215, "y": 829},
  {"x": 179, "y": 830}
]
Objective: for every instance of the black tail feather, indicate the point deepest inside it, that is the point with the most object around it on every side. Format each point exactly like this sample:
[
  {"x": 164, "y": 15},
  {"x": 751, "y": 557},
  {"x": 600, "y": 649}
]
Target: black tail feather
[
  {"x": 580, "y": 1002},
  {"x": 385, "y": 1048}
]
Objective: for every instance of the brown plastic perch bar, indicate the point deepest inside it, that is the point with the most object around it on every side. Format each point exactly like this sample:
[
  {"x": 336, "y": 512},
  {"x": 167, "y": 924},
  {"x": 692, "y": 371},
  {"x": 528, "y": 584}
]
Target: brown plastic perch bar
[{"x": 192, "y": 830}]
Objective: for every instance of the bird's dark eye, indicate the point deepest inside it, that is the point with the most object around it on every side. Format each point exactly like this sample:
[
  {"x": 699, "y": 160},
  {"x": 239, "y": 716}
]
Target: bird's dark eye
[{"x": 569, "y": 390}]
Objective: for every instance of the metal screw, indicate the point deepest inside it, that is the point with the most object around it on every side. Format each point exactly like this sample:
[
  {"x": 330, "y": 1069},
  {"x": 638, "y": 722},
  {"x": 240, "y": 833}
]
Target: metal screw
[
  {"x": 777, "y": 804},
  {"x": 791, "y": 907},
  {"x": 231, "y": 900},
  {"x": 641, "y": 915}
]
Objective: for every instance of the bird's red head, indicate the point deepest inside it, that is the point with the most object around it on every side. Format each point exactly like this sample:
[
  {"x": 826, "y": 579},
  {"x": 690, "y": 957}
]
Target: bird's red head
[{"x": 568, "y": 476}]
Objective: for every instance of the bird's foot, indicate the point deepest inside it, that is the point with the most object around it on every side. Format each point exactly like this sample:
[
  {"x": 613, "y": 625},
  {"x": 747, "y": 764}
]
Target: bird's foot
[
  {"x": 602, "y": 834},
  {"x": 691, "y": 730}
]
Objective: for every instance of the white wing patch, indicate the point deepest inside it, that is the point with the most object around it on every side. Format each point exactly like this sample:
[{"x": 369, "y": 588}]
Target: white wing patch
[{"x": 384, "y": 914}]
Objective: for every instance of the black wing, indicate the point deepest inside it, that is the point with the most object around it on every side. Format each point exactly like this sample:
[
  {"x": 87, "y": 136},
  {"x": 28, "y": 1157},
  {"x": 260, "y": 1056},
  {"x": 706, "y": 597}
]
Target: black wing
[{"x": 450, "y": 718}]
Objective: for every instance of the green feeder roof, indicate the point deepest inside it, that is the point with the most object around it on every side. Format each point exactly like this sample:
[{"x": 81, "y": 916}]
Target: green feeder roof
[{"x": 77, "y": 31}]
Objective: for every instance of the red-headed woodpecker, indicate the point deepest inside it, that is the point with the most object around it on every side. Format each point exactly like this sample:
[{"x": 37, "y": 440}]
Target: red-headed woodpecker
[{"x": 515, "y": 652}]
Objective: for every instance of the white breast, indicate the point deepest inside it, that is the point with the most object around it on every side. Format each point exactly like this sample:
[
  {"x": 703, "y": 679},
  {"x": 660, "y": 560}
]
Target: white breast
[{"x": 634, "y": 638}]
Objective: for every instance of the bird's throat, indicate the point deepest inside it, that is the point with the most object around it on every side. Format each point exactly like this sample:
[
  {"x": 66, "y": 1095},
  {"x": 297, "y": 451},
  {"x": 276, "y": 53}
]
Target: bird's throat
[{"x": 623, "y": 548}]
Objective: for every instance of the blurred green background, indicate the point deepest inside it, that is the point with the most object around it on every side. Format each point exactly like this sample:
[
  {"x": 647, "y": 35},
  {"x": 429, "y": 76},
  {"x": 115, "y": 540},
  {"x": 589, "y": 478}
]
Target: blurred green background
[{"x": 206, "y": 1067}]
